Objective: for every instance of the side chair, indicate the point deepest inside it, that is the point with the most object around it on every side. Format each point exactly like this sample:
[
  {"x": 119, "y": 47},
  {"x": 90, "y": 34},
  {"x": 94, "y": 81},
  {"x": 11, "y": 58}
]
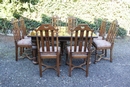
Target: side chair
[
  {"x": 102, "y": 30},
  {"x": 55, "y": 21},
  {"x": 71, "y": 22},
  {"x": 106, "y": 44},
  {"x": 19, "y": 41},
  {"x": 47, "y": 48},
  {"x": 80, "y": 47},
  {"x": 101, "y": 36}
]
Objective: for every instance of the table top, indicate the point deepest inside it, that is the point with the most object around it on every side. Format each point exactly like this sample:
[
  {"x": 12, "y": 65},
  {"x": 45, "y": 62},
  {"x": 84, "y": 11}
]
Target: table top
[{"x": 63, "y": 32}]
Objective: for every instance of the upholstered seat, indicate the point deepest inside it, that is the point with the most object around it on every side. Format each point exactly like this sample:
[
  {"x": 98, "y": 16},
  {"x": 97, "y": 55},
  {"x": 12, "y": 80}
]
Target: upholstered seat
[
  {"x": 102, "y": 43},
  {"x": 98, "y": 38},
  {"x": 24, "y": 42}
]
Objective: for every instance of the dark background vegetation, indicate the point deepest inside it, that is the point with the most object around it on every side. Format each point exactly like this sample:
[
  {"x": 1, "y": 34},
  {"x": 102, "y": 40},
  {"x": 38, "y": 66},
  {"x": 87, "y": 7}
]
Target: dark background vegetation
[{"x": 90, "y": 12}]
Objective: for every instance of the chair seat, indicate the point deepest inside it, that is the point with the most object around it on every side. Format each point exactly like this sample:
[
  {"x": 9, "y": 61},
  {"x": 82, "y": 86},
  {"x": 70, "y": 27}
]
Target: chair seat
[
  {"x": 98, "y": 38},
  {"x": 77, "y": 54},
  {"x": 24, "y": 42},
  {"x": 102, "y": 43},
  {"x": 50, "y": 54},
  {"x": 26, "y": 37}
]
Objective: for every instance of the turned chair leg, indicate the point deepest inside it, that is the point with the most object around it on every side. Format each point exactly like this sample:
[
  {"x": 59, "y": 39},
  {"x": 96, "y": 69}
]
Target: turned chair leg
[
  {"x": 70, "y": 63},
  {"x": 16, "y": 53},
  {"x": 110, "y": 55}
]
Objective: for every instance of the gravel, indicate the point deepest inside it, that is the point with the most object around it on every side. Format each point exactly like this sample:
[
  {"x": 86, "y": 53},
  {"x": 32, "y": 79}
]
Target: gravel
[{"x": 24, "y": 73}]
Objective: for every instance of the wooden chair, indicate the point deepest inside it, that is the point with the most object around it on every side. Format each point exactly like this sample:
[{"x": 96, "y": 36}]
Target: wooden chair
[
  {"x": 106, "y": 44},
  {"x": 19, "y": 42},
  {"x": 55, "y": 21},
  {"x": 102, "y": 31},
  {"x": 47, "y": 49},
  {"x": 101, "y": 36},
  {"x": 80, "y": 47},
  {"x": 71, "y": 22}
]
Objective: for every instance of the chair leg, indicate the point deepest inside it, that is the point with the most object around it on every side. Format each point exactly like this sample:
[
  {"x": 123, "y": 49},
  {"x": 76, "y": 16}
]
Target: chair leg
[
  {"x": 95, "y": 56},
  {"x": 110, "y": 55},
  {"x": 57, "y": 65},
  {"x": 16, "y": 53},
  {"x": 66, "y": 58},
  {"x": 70, "y": 63},
  {"x": 21, "y": 50},
  {"x": 87, "y": 66},
  {"x": 105, "y": 52},
  {"x": 40, "y": 66},
  {"x": 60, "y": 59}
]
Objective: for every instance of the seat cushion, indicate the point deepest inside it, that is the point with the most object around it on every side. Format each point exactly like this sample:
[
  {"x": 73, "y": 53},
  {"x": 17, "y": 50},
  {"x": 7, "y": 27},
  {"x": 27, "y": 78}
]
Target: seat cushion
[
  {"x": 50, "y": 54},
  {"x": 26, "y": 37},
  {"x": 102, "y": 43},
  {"x": 77, "y": 54},
  {"x": 24, "y": 42},
  {"x": 98, "y": 38}
]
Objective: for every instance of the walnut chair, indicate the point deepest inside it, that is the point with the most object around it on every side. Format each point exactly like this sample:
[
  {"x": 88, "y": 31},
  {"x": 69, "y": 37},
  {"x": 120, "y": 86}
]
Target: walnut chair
[
  {"x": 19, "y": 42},
  {"x": 107, "y": 43},
  {"x": 71, "y": 22},
  {"x": 24, "y": 33},
  {"x": 102, "y": 33},
  {"x": 80, "y": 47},
  {"x": 47, "y": 49},
  {"x": 55, "y": 21}
]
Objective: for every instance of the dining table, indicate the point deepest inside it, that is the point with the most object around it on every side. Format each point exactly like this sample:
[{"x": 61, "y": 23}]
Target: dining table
[{"x": 63, "y": 37}]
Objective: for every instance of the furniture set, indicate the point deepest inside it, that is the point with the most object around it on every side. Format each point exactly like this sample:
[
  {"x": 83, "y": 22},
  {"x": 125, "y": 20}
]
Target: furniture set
[{"x": 47, "y": 42}]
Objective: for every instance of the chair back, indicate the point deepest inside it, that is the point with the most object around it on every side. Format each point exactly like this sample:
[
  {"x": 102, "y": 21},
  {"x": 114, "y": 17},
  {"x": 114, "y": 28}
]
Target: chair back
[
  {"x": 55, "y": 21},
  {"x": 102, "y": 29},
  {"x": 48, "y": 37},
  {"x": 16, "y": 30},
  {"x": 81, "y": 36},
  {"x": 71, "y": 22},
  {"x": 112, "y": 31},
  {"x": 22, "y": 27}
]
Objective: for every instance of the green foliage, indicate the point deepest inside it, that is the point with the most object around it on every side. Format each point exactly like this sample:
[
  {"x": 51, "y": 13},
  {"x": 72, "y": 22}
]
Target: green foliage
[
  {"x": 121, "y": 32},
  {"x": 0, "y": 1},
  {"x": 24, "y": 1},
  {"x": 31, "y": 24},
  {"x": 16, "y": 15},
  {"x": 46, "y": 19},
  {"x": 89, "y": 12},
  {"x": 4, "y": 25}
]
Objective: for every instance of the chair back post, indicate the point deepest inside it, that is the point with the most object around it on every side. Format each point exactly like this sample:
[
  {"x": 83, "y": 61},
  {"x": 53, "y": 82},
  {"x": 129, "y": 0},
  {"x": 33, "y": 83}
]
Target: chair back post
[
  {"x": 90, "y": 40},
  {"x": 37, "y": 39},
  {"x": 16, "y": 30},
  {"x": 102, "y": 29},
  {"x": 112, "y": 31},
  {"x": 22, "y": 26}
]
